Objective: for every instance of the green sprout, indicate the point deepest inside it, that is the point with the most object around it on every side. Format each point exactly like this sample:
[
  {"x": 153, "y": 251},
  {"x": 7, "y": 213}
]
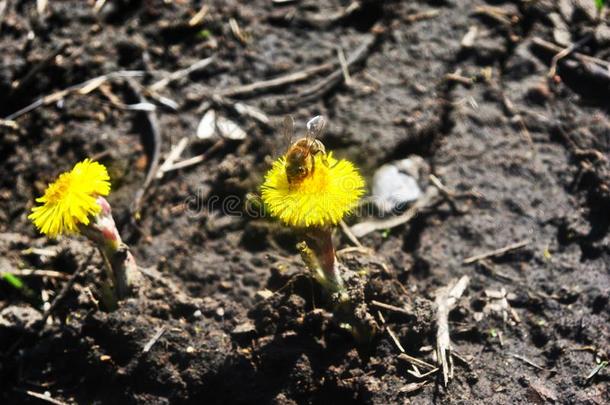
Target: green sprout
[
  {"x": 18, "y": 284},
  {"x": 13, "y": 280}
]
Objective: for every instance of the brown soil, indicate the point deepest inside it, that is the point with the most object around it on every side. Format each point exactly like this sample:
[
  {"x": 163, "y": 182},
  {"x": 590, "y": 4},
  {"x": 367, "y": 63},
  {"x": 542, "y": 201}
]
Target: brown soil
[{"x": 535, "y": 149}]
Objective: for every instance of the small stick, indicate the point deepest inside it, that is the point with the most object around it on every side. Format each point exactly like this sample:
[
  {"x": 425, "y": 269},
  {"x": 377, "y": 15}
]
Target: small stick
[
  {"x": 32, "y": 74},
  {"x": 199, "y": 16},
  {"x": 153, "y": 165},
  {"x": 39, "y": 273},
  {"x": 431, "y": 198},
  {"x": 179, "y": 74},
  {"x": 349, "y": 234},
  {"x": 495, "y": 13},
  {"x": 596, "y": 370},
  {"x": 395, "y": 339},
  {"x": 551, "y": 47},
  {"x": 290, "y": 78},
  {"x": 46, "y": 398},
  {"x": 417, "y": 362},
  {"x": 325, "y": 85},
  {"x": 64, "y": 291},
  {"x": 424, "y": 15},
  {"x": 56, "y": 300},
  {"x": 446, "y": 299},
  {"x": 47, "y": 252},
  {"x": 242, "y": 109},
  {"x": 196, "y": 159},
  {"x": 527, "y": 361},
  {"x": 411, "y": 387},
  {"x": 497, "y": 252},
  {"x": 510, "y": 107},
  {"x": 3, "y": 4},
  {"x": 99, "y": 4},
  {"x": 390, "y": 307},
  {"x": 9, "y": 124},
  {"x": 456, "y": 77},
  {"x": 428, "y": 199},
  {"x": 391, "y": 333},
  {"x": 153, "y": 340},
  {"x": 172, "y": 156},
  {"x": 565, "y": 52},
  {"x": 344, "y": 67},
  {"x": 60, "y": 94},
  {"x": 419, "y": 375}
]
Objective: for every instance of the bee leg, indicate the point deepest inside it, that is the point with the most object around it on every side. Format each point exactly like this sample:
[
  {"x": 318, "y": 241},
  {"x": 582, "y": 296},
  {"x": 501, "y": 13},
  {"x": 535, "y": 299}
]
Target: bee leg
[
  {"x": 313, "y": 162},
  {"x": 324, "y": 160}
]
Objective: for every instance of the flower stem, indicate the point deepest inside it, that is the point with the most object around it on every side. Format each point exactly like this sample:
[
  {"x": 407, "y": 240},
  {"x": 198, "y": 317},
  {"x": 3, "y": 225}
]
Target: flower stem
[
  {"x": 321, "y": 243},
  {"x": 122, "y": 271}
]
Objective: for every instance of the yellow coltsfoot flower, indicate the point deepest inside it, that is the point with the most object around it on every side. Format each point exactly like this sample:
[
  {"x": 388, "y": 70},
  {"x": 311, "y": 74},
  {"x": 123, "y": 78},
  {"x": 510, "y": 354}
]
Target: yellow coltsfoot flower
[
  {"x": 72, "y": 199},
  {"x": 322, "y": 198}
]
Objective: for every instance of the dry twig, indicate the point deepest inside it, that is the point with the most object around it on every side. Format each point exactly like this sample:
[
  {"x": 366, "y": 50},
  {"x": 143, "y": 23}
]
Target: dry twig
[
  {"x": 46, "y": 398},
  {"x": 64, "y": 291},
  {"x": 551, "y": 47},
  {"x": 497, "y": 252},
  {"x": 349, "y": 234},
  {"x": 252, "y": 88},
  {"x": 596, "y": 370},
  {"x": 527, "y": 361},
  {"x": 81, "y": 88},
  {"x": 197, "y": 159},
  {"x": 391, "y": 308},
  {"x": 335, "y": 78},
  {"x": 428, "y": 199},
  {"x": 433, "y": 196},
  {"x": 424, "y": 15},
  {"x": 179, "y": 74},
  {"x": 446, "y": 299},
  {"x": 38, "y": 273},
  {"x": 160, "y": 331},
  {"x": 565, "y": 52},
  {"x": 495, "y": 13},
  {"x": 172, "y": 156},
  {"x": 155, "y": 153}
]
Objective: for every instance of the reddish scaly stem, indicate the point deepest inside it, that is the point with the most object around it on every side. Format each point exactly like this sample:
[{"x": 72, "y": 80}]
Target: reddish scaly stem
[
  {"x": 122, "y": 265},
  {"x": 322, "y": 244}
]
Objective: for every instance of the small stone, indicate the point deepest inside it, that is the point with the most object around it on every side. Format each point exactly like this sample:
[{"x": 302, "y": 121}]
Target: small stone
[
  {"x": 602, "y": 34},
  {"x": 244, "y": 329},
  {"x": 19, "y": 318},
  {"x": 207, "y": 126},
  {"x": 220, "y": 312},
  {"x": 396, "y": 184},
  {"x": 561, "y": 32},
  {"x": 264, "y": 294}
]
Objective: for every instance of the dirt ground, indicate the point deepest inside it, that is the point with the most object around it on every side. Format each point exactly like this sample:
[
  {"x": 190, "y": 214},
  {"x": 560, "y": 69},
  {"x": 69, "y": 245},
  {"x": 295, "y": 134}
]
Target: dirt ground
[{"x": 464, "y": 84}]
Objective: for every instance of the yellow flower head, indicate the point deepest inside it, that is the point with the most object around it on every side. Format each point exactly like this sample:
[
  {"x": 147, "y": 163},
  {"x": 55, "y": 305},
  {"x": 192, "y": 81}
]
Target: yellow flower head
[
  {"x": 322, "y": 198},
  {"x": 71, "y": 199}
]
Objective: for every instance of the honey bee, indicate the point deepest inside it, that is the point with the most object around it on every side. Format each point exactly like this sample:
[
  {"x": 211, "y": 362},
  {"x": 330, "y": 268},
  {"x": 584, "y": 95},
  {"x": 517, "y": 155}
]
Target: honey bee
[{"x": 300, "y": 157}]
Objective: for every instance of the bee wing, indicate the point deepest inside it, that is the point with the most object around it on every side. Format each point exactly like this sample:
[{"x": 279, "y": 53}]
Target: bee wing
[
  {"x": 315, "y": 127},
  {"x": 286, "y": 130}
]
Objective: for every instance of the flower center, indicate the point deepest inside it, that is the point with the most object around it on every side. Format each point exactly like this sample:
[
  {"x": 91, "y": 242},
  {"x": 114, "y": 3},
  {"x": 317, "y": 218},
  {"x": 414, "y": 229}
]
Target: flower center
[{"x": 59, "y": 189}]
